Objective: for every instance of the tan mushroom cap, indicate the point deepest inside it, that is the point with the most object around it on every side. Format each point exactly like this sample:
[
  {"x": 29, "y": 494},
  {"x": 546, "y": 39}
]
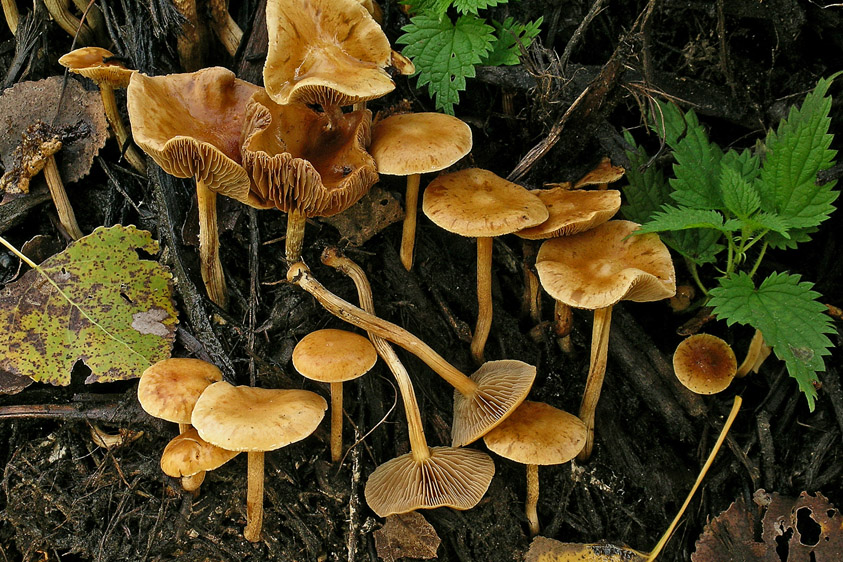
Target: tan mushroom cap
[
  {"x": 334, "y": 355},
  {"x": 328, "y": 52},
  {"x": 602, "y": 266},
  {"x": 188, "y": 454},
  {"x": 191, "y": 123},
  {"x": 704, "y": 363},
  {"x": 537, "y": 433},
  {"x": 572, "y": 212},
  {"x": 297, "y": 161},
  {"x": 417, "y": 143},
  {"x": 604, "y": 173},
  {"x": 99, "y": 65},
  {"x": 169, "y": 389},
  {"x": 245, "y": 418},
  {"x": 501, "y": 386},
  {"x": 478, "y": 203},
  {"x": 450, "y": 477}
]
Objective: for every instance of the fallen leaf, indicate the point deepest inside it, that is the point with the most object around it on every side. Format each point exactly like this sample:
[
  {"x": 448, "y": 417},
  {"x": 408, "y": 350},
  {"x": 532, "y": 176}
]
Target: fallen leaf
[
  {"x": 374, "y": 212},
  {"x": 543, "y": 549},
  {"x": 12, "y": 384},
  {"x": 98, "y": 302},
  {"x": 408, "y": 535}
]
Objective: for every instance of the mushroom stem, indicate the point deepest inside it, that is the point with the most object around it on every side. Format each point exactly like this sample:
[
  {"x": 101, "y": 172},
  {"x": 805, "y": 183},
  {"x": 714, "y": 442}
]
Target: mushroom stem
[
  {"x": 408, "y": 234},
  {"x": 254, "y": 497},
  {"x": 532, "y": 498},
  {"x": 225, "y": 27},
  {"x": 563, "y": 320},
  {"x": 191, "y": 483},
  {"x": 756, "y": 354},
  {"x": 60, "y": 12},
  {"x": 531, "y": 301},
  {"x": 296, "y": 222},
  {"x": 484, "y": 298},
  {"x": 299, "y": 274},
  {"x": 336, "y": 421},
  {"x": 65, "y": 212},
  {"x": 209, "y": 245},
  {"x": 109, "y": 102},
  {"x": 596, "y": 373},
  {"x": 188, "y": 44},
  {"x": 10, "y": 10}
]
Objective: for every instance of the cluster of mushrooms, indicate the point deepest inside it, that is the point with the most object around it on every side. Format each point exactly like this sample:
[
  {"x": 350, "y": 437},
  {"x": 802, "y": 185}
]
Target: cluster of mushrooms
[{"x": 290, "y": 146}]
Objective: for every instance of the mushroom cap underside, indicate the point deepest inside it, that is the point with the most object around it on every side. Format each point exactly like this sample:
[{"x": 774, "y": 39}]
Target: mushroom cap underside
[
  {"x": 188, "y": 454},
  {"x": 99, "y": 65},
  {"x": 572, "y": 212}
]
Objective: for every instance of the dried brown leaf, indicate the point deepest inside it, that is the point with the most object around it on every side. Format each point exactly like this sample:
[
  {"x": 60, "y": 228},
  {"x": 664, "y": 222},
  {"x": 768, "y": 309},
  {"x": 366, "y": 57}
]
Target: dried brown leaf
[{"x": 408, "y": 535}]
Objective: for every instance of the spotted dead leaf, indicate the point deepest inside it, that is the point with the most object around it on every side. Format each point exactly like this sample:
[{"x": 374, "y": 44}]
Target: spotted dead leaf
[
  {"x": 408, "y": 535},
  {"x": 543, "y": 549},
  {"x": 96, "y": 302}
]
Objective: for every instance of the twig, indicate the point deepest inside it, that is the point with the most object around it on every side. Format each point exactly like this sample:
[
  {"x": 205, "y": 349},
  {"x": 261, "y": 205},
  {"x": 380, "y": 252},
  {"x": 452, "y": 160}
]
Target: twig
[{"x": 579, "y": 32}]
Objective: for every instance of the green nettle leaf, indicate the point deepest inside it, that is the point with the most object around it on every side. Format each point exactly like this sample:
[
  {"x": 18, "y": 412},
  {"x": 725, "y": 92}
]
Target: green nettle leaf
[
  {"x": 787, "y": 313},
  {"x": 697, "y": 168},
  {"x": 768, "y": 221},
  {"x": 647, "y": 189},
  {"x": 445, "y": 53},
  {"x": 473, "y": 6},
  {"x": 683, "y": 218},
  {"x": 97, "y": 302},
  {"x": 747, "y": 164},
  {"x": 668, "y": 122},
  {"x": 739, "y": 195},
  {"x": 438, "y": 7},
  {"x": 505, "y": 50},
  {"x": 701, "y": 246}
]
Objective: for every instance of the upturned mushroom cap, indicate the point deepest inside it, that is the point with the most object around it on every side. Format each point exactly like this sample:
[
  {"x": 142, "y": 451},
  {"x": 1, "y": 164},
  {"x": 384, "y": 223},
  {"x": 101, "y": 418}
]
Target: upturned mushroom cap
[
  {"x": 572, "y": 212},
  {"x": 188, "y": 454},
  {"x": 245, "y": 418},
  {"x": 191, "y": 123},
  {"x": 501, "y": 386},
  {"x": 99, "y": 65},
  {"x": 334, "y": 355},
  {"x": 478, "y": 203},
  {"x": 704, "y": 363},
  {"x": 602, "y": 266},
  {"x": 298, "y": 160},
  {"x": 450, "y": 477},
  {"x": 417, "y": 143},
  {"x": 169, "y": 389},
  {"x": 603, "y": 174},
  {"x": 327, "y": 52},
  {"x": 537, "y": 433}
]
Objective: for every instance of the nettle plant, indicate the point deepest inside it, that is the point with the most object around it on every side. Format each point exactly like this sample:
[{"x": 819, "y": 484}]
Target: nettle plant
[
  {"x": 726, "y": 209},
  {"x": 446, "y": 51}
]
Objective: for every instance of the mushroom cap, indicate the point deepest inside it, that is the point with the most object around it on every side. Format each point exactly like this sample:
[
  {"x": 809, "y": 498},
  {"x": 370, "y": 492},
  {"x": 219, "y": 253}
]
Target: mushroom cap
[
  {"x": 571, "y": 212},
  {"x": 417, "y": 143},
  {"x": 334, "y": 355},
  {"x": 449, "y": 477},
  {"x": 501, "y": 386},
  {"x": 478, "y": 203},
  {"x": 327, "y": 52},
  {"x": 188, "y": 454},
  {"x": 298, "y": 161},
  {"x": 99, "y": 65},
  {"x": 704, "y": 363},
  {"x": 170, "y": 388},
  {"x": 537, "y": 433},
  {"x": 602, "y": 266},
  {"x": 603, "y": 174},
  {"x": 190, "y": 124},
  {"x": 246, "y": 418}
]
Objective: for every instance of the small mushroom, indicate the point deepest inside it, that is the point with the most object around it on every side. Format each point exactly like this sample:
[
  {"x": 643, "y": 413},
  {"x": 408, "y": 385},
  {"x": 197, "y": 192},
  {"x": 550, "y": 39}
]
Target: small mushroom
[
  {"x": 755, "y": 356},
  {"x": 227, "y": 30},
  {"x": 60, "y": 12},
  {"x": 10, "y": 11},
  {"x": 704, "y": 364},
  {"x": 189, "y": 457}
]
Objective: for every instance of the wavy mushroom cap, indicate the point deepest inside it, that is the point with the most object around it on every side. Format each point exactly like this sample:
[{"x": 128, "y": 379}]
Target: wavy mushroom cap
[
  {"x": 704, "y": 364},
  {"x": 98, "y": 64},
  {"x": 334, "y": 355},
  {"x": 170, "y": 388},
  {"x": 602, "y": 266},
  {"x": 188, "y": 454},
  {"x": 190, "y": 124},
  {"x": 417, "y": 143},
  {"x": 298, "y": 160},
  {"x": 327, "y": 52},
  {"x": 450, "y": 477},
  {"x": 603, "y": 174},
  {"x": 571, "y": 212}
]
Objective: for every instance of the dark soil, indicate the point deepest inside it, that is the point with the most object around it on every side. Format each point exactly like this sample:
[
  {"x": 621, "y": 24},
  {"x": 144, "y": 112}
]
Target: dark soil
[{"x": 738, "y": 63}]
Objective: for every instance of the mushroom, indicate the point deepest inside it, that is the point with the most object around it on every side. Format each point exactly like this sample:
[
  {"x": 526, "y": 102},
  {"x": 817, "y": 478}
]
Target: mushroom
[
  {"x": 189, "y": 457},
  {"x": 537, "y": 434},
  {"x": 60, "y": 12},
  {"x": 190, "y": 124},
  {"x": 10, "y": 11},
  {"x": 424, "y": 478},
  {"x": 99, "y": 65},
  {"x": 334, "y": 356},
  {"x": 478, "y": 203},
  {"x": 756, "y": 355},
  {"x": 412, "y": 144},
  {"x": 601, "y": 176},
  {"x": 480, "y": 402},
  {"x": 595, "y": 270},
  {"x": 256, "y": 420},
  {"x": 227, "y": 30},
  {"x": 704, "y": 364}
]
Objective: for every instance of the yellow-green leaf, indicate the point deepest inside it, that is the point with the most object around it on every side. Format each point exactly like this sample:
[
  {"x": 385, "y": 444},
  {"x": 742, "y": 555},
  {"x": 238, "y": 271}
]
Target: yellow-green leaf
[{"x": 550, "y": 550}]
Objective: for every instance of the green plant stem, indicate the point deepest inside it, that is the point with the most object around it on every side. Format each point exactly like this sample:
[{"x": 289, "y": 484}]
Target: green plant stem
[
  {"x": 758, "y": 260},
  {"x": 695, "y": 275},
  {"x": 730, "y": 261}
]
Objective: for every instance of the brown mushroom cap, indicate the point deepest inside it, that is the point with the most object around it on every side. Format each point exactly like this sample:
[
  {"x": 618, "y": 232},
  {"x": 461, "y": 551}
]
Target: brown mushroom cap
[
  {"x": 188, "y": 454},
  {"x": 334, "y": 355},
  {"x": 572, "y": 212},
  {"x": 327, "y": 52},
  {"x": 478, "y": 203},
  {"x": 191, "y": 123},
  {"x": 417, "y": 143},
  {"x": 450, "y": 477},
  {"x": 603, "y": 174},
  {"x": 704, "y": 363},
  {"x": 537, "y": 433},
  {"x": 602, "y": 266},
  {"x": 169, "y": 389},
  {"x": 99, "y": 65},
  {"x": 245, "y": 418}
]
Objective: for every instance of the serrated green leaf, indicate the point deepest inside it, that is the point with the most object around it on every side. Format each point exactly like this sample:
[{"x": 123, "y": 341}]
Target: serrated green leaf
[
  {"x": 789, "y": 315},
  {"x": 668, "y": 122},
  {"x": 747, "y": 164},
  {"x": 697, "y": 168},
  {"x": 683, "y": 218},
  {"x": 768, "y": 221},
  {"x": 739, "y": 193},
  {"x": 473, "y": 6},
  {"x": 647, "y": 189},
  {"x": 505, "y": 49},
  {"x": 445, "y": 53},
  {"x": 97, "y": 302},
  {"x": 438, "y": 7},
  {"x": 701, "y": 246}
]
